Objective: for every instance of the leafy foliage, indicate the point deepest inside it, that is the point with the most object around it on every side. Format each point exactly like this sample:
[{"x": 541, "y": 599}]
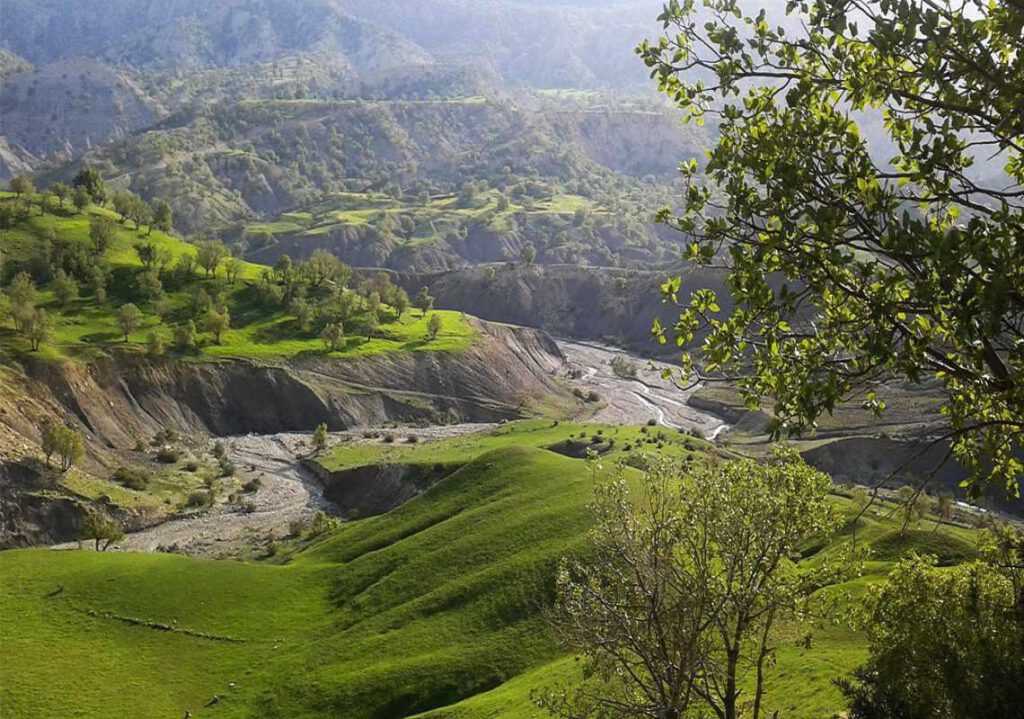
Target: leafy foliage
[
  {"x": 844, "y": 266},
  {"x": 945, "y": 642},
  {"x": 676, "y": 605}
]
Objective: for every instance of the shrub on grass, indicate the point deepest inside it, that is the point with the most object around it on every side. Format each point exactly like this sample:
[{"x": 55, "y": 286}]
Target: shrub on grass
[
  {"x": 200, "y": 499},
  {"x": 132, "y": 478},
  {"x": 168, "y": 455}
]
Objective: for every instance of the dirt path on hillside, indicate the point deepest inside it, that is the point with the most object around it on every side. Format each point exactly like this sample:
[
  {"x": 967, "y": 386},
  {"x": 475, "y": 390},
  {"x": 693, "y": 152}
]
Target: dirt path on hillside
[{"x": 636, "y": 401}]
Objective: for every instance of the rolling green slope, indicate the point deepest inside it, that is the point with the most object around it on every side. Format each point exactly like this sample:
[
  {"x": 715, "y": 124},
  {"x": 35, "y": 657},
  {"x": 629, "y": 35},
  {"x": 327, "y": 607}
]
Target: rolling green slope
[{"x": 433, "y": 608}]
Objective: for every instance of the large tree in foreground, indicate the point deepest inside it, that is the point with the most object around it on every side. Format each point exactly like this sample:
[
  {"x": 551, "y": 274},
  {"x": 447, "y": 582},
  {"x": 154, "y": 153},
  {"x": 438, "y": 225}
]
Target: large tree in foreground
[
  {"x": 946, "y": 642},
  {"x": 675, "y": 605},
  {"x": 847, "y": 266}
]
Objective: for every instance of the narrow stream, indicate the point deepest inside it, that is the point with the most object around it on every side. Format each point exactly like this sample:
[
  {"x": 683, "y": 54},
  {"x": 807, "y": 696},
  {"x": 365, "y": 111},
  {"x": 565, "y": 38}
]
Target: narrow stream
[{"x": 636, "y": 401}]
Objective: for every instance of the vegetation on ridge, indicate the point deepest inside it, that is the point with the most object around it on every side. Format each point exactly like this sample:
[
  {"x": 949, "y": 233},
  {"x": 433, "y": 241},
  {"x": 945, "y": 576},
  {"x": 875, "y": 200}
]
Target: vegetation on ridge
[{"x": 86, "y": 281}]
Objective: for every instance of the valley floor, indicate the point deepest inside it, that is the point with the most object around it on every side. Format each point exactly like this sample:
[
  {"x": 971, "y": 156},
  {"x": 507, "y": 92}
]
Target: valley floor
[{"x": 290, "y": 494}]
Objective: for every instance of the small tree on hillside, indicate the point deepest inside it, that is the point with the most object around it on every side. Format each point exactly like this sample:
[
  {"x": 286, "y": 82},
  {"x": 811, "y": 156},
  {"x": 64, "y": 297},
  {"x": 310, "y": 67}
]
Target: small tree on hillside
[
  {"x": 210, "y": 254},
  {"x": 49, "y": 441},
  {"x": 320, "y": 438},
  {"x": 232, "y": 268},
  {"x": 424, "y": 301},
  {"x": 333, "y": 336},
  {"x": 140, "y": 214},
  {"x": 434, "y": 325},
  {"x": 146, "y": 252},
  {"x": 65, "y": 289},
  {"x": 70, "y": 448},
  {"x": 22, "y": 294},
  {"x": 185, "y": 336},
  {"x": 80, "y": 198},
  {"x": 302, "y": 311},
  {"x": 122, "y": 202},
  {"x": 37, "y": 327},
  {"x": 64, "y": 442},
  {"x": 100, "y": 528},
  {"x": 217, "y": 322},
  {"x": 101, "y": 231},
  {"x": 371, "y": 325},
  {"x": 163, "y": 216},
  {"x": 61, "y": 191},
  {"x": 128, "y": 318},
  {"x": 155, "y": 345},
  {"x": 529, "y": 254},
  {"x": 675, "y": 604},
  {"x": 400, "y": 301},
  {"x": 89, "y": 180},
  {"x": 22, "y": 186}
]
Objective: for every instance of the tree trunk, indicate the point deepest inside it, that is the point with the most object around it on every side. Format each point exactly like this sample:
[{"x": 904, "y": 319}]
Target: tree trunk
[{"x": 730, "y": 686}]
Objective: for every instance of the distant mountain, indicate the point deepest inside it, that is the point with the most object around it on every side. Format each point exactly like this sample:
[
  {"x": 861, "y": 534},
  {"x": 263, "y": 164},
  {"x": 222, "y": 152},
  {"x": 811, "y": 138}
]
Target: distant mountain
[
  {"x": 71, "y": 106},
  {"x": 539, "y": 44},
  {"x": 236, "y": 111},
  {"x": 565, "y": 44}
]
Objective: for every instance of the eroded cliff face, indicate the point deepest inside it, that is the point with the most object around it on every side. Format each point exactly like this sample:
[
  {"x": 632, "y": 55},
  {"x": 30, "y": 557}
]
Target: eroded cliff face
[
  {"x": 507, "y": 372},
  {"x": 588, "y": 303}
]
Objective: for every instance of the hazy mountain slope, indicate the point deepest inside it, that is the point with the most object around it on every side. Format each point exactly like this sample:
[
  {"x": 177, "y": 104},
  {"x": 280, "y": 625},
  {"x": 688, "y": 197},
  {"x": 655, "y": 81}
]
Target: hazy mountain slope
[
  {"x": 147, "y": 33},
  {"x": 255, "y": 159},
  {"x": 71, "y": 106},
  {"x": 536, "y": 44}
]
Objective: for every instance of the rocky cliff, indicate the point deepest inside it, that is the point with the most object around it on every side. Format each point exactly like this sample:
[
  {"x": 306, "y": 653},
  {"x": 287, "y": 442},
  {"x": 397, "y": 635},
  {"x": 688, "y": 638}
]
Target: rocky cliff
[{"x": 587, "y": 303}]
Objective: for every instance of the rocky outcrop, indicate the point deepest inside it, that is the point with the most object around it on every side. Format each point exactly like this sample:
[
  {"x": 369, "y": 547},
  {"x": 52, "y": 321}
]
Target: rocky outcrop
[
  {"x": 505, "y": 373},
  {"x": 31, "y": 515},
  {"x": 378, "y": 488},
  {"x": 873, "y": 460}
]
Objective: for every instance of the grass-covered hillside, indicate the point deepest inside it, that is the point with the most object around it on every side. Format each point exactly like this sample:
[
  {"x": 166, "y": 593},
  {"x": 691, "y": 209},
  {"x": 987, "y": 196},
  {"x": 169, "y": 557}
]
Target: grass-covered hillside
[
  {"x": 85, "y": 266},
  {"x": 433, "y": 608}
]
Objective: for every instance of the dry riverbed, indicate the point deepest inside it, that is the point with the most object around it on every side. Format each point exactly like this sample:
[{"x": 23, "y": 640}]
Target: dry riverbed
[
  {"x": 627, "y": 400},
  {"x": 289, "y": 495}
]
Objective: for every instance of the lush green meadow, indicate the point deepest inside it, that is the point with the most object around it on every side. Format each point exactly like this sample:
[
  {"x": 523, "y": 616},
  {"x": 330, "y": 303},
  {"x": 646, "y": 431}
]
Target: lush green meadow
[
  {"x": 433, "y": 608},
  {"x": 573, "y": 439}
]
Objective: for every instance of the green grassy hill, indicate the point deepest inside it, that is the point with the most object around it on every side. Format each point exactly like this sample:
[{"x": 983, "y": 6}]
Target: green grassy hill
[
  {"x": 433, "y": 608},
  {"x": 86, "y": 328}
]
